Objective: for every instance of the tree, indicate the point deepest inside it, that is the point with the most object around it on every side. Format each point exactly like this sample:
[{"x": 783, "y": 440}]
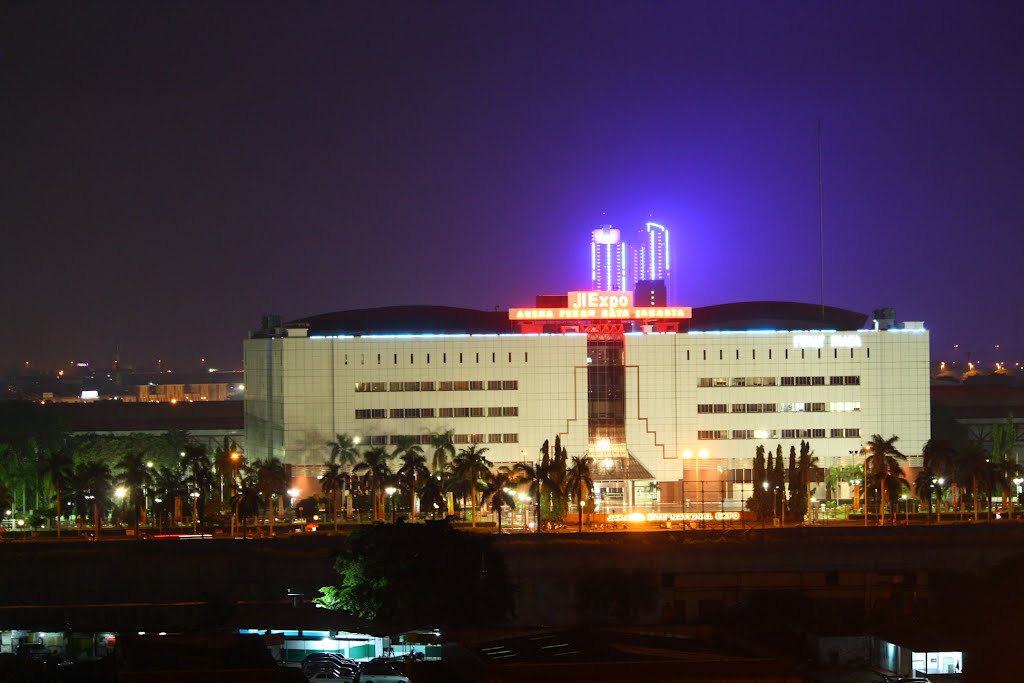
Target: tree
[
  {"x": 882, "y": 464},
  {"x": 57, "y": 463},
  {"x": 169, "y": 484},
  {"x": 92, "y": 481},
  {"x": 382, "y": 569},
  {"x": 413, "y": 470},
  {"x": 496, "y": 495},
  {"x": 376, "y": 472},
  {"x": 271, "y": 480},
  {"x": 938, "y": 456},
  {"x": 344, "y": 455},
  {"x": 246, "y": 502},
  {"x": 471, "y": 468},
  {"x": 1004, "y": 460},
  {"x": 800, "y": 481},
  {"x": 201, "y": 478},
  {"x": 444, "y": 450},
  {"x": 432, "y": 496},
  {"x": 537, "y": 477},
  {"x": 579, "y": 484},
  {"x": 227, "y": 462},
  {"x": 136, "y": 476},
  {"x": 758, "y": 502},
  {"x": 972, "y": 465},
  {"x": 924, "y": 486}
]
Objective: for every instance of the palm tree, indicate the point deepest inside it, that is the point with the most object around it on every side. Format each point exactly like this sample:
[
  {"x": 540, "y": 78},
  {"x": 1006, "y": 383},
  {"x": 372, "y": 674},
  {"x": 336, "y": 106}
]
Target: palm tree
[
  {"x": 924, "y": 486},
  {"x": 136, "y": 476},
  {"x": 537, "y": 476},
  {"x": 344, "y": 454},
  {"x": 246, "y": 501},
  {"x": 471, "y": 467},
  {"x": 444, "y": 450},
  {"x": 413, "y": 469},
  {"x": 972, "y": 465},
  {"x": 938, "y": 456},
  {"x": 93, "y": 483},
  {"x": 882, "y": 464},
  {"x": 578, "y": 482},
  {"x": 226, "y": 461},
  {"x": 432, "y": 496},
  {"x": 57, "y": 463},
  {"x": 376, "y": 472},
  {"x": 497, "y": 496},
  {"x": 335, "y": 479},
  {"x": 170, "y": 484},
  {"x": 271, "y": 480},
  {"x": 1004, "y": 472},
  {"x": 200, "y": 470}
]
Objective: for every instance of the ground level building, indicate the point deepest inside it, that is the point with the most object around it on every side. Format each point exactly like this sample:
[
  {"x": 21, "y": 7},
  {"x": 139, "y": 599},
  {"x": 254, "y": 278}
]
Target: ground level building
[{"x": 670, "y": 402}]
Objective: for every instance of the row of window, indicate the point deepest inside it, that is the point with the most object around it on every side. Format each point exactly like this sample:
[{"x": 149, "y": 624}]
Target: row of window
[
  {"x": 820, "y": 407},
  {"x": 381, "y": 413},
  {"x": 722, "y": 434},
  {"x": 490, "y": 385},
  {"x": 427, "y": 439},
  {"x": 802, "y": 381},
  {"x": 444, "y": 358},
  {"x": 785, "y": 353}
]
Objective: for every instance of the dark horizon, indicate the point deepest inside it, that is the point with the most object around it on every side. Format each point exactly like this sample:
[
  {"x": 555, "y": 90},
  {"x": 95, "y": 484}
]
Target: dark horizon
[{"x": 176, "y": 171}]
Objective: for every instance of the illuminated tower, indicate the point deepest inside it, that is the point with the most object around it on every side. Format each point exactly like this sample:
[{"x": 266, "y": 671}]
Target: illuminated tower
[
  {"x": 650, "y": 256},
  {"x": 608, "y": 260}
]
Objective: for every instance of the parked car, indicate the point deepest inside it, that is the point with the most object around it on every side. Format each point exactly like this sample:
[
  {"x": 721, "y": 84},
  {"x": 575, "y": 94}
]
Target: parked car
[{"x": 381, "y": 671}]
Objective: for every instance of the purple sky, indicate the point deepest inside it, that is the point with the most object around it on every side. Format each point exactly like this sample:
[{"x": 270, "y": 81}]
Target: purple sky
[{"x": 171, "y": 171}]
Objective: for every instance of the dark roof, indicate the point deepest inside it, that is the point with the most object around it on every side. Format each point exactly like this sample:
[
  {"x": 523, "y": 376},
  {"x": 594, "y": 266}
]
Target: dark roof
[
  {"x": 980, "y": 401},
  {"x": 409, "y": 320},
  {"x": 775, "y": 315},
  {"x": 781, "y": 315},
  {"x": 121, "y": 416}
]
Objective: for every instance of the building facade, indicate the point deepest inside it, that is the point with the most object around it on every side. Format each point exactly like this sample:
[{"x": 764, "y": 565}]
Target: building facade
[
  {"x": 669, "y": 409},
  {"x": 609, "y": 259}
]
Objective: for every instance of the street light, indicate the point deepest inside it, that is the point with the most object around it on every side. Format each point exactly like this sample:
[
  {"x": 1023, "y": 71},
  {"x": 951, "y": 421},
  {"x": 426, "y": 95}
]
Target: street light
[
  {"x": 906, "y": 507},
  {"x": 765, "y": 485},
  {"x": 391, "y": 490}
]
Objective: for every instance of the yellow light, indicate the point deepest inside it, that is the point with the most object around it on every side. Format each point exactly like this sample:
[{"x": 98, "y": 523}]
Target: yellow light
[
  {"x": 703, "y": 453},
  {"x": 687, "y": 453}
]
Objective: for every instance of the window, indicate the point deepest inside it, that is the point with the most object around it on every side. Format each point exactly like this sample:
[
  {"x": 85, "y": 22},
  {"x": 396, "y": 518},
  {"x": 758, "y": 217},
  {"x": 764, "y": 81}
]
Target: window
[
  {"x": 460, "y": 386},
  {"x": 705, "y": 382},
  {"x": 510, "y": 438},
  {"x": 363, "y": 414},
  {"x": 739, "y": 381},
  {"x": 743, "y": 433},
  {"x": 712, "y": 434},
  {"x": 494, "y": 412},
  {"x": 844, "y": 406},
  {"x": 410, "y": 386},
  {"x": 712, "y": 408},
  {"x": 427, "y": 412},
  {"x": 426, "y": 386},
  {"x": 817, "y": 434},
  {"x": 460, "y": 438},
  {"x": 815, "y": 407},
  {"x": 494, "y": 384},
  {"x": 721, "y": 382},
  {"x": 769, "y": 407},
  {"x": 510, "y": 384},
  {"x": 739, "y": 407},
  {"x": 510, "y": 411},
  {"x": 476, "y": 386},
  {"x": 446, "y": 412},
  {"x": 445, "y": 386},
  {"x": 836, "y": 433},
  {"x": 476, "y": 412},
  {"x": 395, "y": 386},
  {"x": 378, "y": 441},
  {"x": 362, "y": 386},
  {"x": 791, "y": 407},
  {"x": 461, "y": 412},
  {"x": 398, "y": 412},
  {"x": 788, "y": 381},
  {"x": 790, "y": 433},
  {"x": 494, "y": 438},
  {"x": 475, "y": 438},
  {"x": 853, "y": 433}
]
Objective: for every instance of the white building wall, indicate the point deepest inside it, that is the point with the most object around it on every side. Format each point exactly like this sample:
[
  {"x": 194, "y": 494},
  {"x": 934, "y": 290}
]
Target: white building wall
[{"x": 300, "y": 392}]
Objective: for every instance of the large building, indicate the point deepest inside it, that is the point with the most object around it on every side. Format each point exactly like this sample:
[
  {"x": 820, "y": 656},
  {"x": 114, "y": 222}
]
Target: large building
[
  {"x": 670, "y": 402},
  {"x": 609, "y": 259},
  {"x": 650, "y": 254}
]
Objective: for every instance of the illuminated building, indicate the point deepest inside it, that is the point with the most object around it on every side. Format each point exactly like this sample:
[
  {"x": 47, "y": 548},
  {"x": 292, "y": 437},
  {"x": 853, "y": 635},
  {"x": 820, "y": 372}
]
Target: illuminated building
[
  {"x": 638, "y": 388},
  {"x": 609, "y": 265},
  {"x": 650, "y": 253}
]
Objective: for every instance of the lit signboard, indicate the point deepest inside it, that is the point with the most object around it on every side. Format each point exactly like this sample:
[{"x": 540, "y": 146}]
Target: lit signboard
[
  {"x": 601, "y": 306},
  {"x": 817, "y": 341},
  {"x": 676, "y": 517}
]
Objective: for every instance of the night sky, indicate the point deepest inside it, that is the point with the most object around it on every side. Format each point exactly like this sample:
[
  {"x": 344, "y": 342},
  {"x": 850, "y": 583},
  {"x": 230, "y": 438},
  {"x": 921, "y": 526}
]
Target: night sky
[{"x": 171, "y": 171}]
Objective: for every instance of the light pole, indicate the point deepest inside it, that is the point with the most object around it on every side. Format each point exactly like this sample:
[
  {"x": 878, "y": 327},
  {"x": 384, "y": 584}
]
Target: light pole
[
  {"x": 390, "y": 490},
  {"x": 1017, "y": 482},
  {"x": 765, "y": 485},
  {"x": 906, "y": 508}
]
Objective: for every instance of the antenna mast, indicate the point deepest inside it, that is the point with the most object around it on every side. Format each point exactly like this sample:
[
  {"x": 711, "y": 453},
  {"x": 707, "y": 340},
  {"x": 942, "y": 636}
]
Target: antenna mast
[{"x": 821, "y": 231}]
